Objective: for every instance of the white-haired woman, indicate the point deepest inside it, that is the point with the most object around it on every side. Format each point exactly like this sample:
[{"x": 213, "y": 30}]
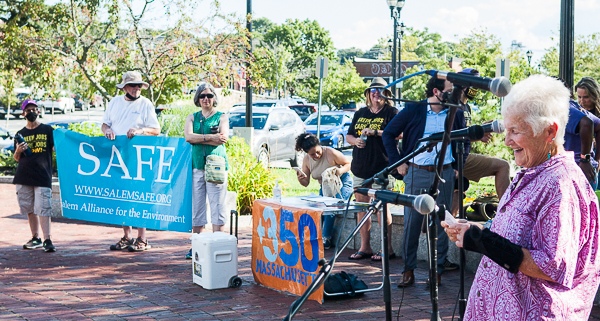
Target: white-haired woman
[
  {"x": 541, "y": 259},
  {"x": 207, "y": 130}
]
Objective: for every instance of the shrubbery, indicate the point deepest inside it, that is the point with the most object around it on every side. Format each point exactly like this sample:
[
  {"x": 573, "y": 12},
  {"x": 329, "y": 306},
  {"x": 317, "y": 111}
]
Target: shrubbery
[{"x": 246, "y": 176}]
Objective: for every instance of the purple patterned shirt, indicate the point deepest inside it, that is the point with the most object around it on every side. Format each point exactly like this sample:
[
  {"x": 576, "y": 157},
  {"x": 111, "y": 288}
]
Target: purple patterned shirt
[{"x": 553, "y": 213}]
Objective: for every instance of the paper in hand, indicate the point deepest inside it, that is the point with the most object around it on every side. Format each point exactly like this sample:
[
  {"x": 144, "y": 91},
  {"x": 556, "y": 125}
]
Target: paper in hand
[{"x": 449, "y": 218}]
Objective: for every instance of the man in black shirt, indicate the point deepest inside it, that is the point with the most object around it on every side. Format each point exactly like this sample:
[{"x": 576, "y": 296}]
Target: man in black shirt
[{"x": 34, "y": 175}]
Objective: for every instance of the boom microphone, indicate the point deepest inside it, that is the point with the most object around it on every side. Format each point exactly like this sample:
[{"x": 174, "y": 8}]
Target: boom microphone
[
  {"x": 423, "y": 204},
  {"x": 497, "y": 126},
  {"x": 497, "y": 86},
  {"x": 474, "y": 132}
]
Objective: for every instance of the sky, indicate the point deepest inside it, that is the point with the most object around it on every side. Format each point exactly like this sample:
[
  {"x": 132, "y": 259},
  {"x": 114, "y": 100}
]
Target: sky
[{"x": 360, "y": 23}]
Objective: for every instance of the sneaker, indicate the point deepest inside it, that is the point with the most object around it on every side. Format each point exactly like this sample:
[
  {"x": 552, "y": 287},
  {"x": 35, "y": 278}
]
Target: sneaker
[
  {"x": 449, "y": 266},
  {"x": 122, "y": 244},
  {"x": 139, "y": 245},
  {"x": 34, "y": 243},
  {"x": 189, "y": 255},
  {"x": 48, "y": 247},
  {"x": 326, "y": 243}
]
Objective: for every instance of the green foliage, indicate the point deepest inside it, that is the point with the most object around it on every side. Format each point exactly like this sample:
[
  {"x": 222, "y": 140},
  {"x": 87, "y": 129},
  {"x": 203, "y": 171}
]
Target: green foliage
[
  {"x": 587, "y": 58},
  {"x": 346, "y": 55},
  {"x": 305, "y": 40},
  {"x": 172, "y": 120},
  {"x": 8, "y": 164},
  {"x": 341, "y": 85},
  {"x": 89, "y": 129},
  {"x": 247, "y": 177}
]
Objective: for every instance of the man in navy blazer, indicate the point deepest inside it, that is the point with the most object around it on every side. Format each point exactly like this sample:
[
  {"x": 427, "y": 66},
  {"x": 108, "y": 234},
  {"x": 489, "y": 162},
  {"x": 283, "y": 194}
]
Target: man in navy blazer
[{"x": 416, "y": 121}]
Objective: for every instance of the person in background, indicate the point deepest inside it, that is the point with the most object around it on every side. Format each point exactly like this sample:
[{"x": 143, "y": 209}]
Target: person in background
[
  {"x": 199, "y": 132},
  {"x": 478, "y": 166},
  {"x": 581, "y": 130},
  {"x": 317, "y": 162},
  {"x": 369, "y": 156},
  {"x": 541, "y": 252},
  {"x": 34, "y": 176},
  {"x": 416, "y": 121},
  {"x": 588, "y": 95},
  {"x": 131, "y": 115}
]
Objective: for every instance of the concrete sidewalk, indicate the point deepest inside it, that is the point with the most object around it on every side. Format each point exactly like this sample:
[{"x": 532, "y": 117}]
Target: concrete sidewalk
[{"x": 84, "y": 280}]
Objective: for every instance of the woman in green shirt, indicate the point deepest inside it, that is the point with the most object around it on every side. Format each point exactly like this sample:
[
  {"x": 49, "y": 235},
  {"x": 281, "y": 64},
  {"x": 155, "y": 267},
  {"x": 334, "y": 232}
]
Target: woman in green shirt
[{"x": 207, "y": 130}]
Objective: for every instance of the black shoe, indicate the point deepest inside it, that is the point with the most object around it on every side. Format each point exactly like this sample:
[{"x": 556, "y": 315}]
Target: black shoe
[
  {"x": 449, "y": 266},
  {"x": 326, "y": 244},
  {"x": 48, "y": 247},
  {"x": 123, "y": 244},
  {"x": 34, "y": 243}
]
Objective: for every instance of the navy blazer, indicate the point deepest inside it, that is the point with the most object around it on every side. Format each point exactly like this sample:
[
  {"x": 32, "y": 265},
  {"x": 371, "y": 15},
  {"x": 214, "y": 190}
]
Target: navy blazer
[{"x": 411, "y": 122}]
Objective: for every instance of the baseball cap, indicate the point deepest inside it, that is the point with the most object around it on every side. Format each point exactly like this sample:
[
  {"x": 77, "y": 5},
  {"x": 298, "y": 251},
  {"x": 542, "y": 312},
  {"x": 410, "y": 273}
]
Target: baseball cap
[{"x": 28, "y": 102}]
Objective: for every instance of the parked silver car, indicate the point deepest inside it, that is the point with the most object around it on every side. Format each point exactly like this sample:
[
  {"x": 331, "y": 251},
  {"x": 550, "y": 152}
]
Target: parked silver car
[{"x": 275, "y": 132}]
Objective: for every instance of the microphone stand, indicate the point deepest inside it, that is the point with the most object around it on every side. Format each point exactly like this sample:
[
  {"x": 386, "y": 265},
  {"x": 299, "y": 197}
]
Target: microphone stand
[
  {"x": 462, "y": 302},
  {"x": 454, "y": 98},
  {"x": 326, "y": 267}
]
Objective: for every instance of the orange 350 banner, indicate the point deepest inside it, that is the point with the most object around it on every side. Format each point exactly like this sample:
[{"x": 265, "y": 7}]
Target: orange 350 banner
[{"x": 286, "y": 246}]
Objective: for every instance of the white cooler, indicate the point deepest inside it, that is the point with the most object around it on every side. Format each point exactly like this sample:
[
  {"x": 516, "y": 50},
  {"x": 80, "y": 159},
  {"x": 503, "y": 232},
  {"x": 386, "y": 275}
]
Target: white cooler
[{"x": 215, "y": 260}]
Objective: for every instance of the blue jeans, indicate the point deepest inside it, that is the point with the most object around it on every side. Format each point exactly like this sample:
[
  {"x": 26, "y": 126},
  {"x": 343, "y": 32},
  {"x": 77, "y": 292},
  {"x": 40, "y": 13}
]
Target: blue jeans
[{"x": 328, "y": 220}]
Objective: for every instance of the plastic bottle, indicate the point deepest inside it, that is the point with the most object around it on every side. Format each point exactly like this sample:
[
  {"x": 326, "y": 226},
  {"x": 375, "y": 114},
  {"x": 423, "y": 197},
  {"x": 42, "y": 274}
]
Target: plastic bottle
[
  {"x": 20, "y": 140},
  {"x": 277, "y": 192},
  {"x": 363, "y": 137}
]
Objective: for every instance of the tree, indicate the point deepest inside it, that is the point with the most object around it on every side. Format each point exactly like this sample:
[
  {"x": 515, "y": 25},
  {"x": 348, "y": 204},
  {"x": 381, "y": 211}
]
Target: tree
[
  {"x": 346, "y": 55},
  {"x": 587, "y": 58},
  {"x": 342, "y": 85},
  {"x": 272, "y": 58},
  {"x": 305, "y": 40}
]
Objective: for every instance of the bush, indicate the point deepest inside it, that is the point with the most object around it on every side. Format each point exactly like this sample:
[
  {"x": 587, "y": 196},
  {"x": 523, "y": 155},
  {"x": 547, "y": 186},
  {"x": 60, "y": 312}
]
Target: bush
[
  {"x": 246, "y": 176},
  {"x": 8, "y": 164},
  {"x": 172, "y": 120},
  {"x": 89, "y": 129}
]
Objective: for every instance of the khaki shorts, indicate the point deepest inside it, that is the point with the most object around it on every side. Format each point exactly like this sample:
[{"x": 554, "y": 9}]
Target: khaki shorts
[
  {"x": 478, "y": 166},
  {"x": 357, "y": 182},
  {"x": 34, "y": 199}
]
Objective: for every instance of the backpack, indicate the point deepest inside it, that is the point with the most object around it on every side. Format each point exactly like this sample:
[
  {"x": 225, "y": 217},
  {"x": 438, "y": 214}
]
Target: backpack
[{"x": 343, "y": 283}]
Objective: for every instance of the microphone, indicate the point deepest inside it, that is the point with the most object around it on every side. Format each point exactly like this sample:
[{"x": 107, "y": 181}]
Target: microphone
[
  {"x": 497, "y": 126},
  {"x": 497, "y": 86},
  {"x": 474, "y": 132},
  {"x": 424, "y": 204}
]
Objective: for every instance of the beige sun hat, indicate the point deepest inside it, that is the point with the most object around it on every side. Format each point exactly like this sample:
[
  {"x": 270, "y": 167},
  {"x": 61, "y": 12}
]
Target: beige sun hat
[{"x": 132, "y": 77}]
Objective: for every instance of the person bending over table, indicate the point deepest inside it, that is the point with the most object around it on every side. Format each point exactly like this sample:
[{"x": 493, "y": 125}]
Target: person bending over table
[
  {"x": 317, "y": 163},
  {"x": 541, "y": 260}
]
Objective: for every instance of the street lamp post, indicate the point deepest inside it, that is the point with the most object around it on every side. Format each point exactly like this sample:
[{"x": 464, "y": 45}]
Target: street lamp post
[
  {"x": 529, "y": 55},
  {"x": 402, "y": 29},
  {"x": 395, "y": 8}
]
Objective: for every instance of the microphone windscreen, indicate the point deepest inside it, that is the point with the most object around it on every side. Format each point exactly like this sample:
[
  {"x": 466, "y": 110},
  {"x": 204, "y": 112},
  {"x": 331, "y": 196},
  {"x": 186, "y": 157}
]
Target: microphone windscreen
[
  {"x": 476, "y": 132},
  {"x": 424, "y": 204},
  {"x": 500, "y": 86}
]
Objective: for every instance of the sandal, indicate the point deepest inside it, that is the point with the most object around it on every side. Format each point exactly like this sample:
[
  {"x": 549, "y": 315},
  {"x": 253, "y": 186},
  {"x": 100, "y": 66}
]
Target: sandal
[
  {"x": 359, "y": 256},
  {"x": 380, "y": 255}
]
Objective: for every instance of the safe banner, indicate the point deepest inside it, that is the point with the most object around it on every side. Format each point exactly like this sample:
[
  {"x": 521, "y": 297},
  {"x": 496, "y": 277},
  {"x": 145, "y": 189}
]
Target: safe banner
[
  {"x": 142, "y": 182},
  {"x": 286, "y": 247}
]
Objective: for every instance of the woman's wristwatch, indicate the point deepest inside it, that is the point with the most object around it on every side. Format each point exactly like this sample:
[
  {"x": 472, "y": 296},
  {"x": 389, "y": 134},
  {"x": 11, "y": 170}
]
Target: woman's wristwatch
[{"x": 585, "y": 158}]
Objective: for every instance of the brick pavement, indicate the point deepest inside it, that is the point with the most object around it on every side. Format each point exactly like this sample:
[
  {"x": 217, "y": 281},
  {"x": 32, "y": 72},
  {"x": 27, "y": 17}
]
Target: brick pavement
[{"x": 83, "y": 280}]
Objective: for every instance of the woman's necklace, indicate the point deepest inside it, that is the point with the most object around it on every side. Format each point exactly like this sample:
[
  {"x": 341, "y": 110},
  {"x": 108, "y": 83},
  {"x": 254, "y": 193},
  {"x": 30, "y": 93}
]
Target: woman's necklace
[
  {"x": 209, "y": 114},
  {"x": 375, "y": 111}
]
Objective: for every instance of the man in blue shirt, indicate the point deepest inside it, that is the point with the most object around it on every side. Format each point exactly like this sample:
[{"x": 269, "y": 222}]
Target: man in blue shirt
[{"x": 417, "y": 121}]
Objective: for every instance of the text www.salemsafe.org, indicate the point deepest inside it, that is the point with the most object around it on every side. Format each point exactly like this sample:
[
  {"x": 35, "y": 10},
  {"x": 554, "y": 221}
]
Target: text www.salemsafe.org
[{"x": 123, "y": 195}]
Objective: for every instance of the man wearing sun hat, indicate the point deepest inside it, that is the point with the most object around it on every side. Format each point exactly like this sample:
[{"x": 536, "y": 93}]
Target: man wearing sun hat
[
  {"x": 131, "y": 115},
  {"x": 34, "y": 176}
]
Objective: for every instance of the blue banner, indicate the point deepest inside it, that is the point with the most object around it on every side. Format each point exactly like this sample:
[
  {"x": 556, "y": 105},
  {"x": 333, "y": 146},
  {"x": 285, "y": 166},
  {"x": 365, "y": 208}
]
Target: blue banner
[{"x": 143, "y": 182}]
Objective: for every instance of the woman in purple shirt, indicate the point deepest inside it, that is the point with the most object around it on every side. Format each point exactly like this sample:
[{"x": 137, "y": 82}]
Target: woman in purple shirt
[{"x": 541, "y": 252}]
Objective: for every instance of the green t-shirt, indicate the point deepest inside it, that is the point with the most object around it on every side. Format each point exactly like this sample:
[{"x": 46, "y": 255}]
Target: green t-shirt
[{"x": 202, "y": 126}]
